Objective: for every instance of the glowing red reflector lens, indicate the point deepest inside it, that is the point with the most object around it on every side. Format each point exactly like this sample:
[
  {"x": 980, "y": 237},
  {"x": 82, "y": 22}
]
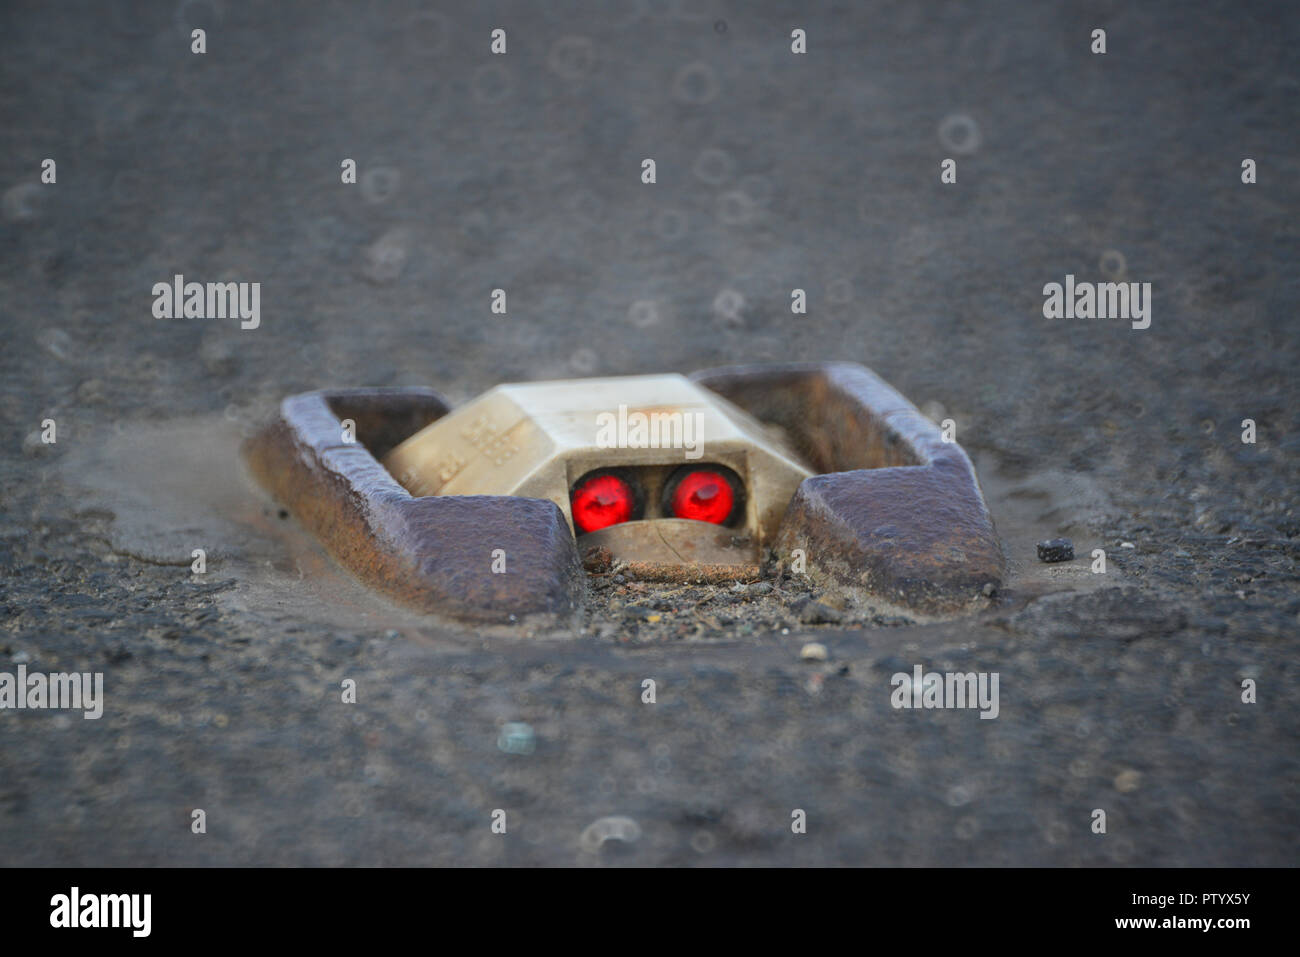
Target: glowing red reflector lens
[
  {"x": 601, "y": 501},
  {"x": 703, "y": 496}
]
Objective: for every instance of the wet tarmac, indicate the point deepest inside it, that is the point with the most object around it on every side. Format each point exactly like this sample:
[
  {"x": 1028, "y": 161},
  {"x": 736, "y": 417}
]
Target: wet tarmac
[{"x": 1119, "y": 691}]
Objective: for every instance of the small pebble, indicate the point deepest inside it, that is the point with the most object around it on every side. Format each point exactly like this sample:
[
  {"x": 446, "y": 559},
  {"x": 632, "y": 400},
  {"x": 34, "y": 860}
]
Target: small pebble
[
  {"x": 1127, "y": 780},
  {"x": 813, "y": 651},
  {"x": 597, "y": 559},
  {"x": 517, "y": 737},
  {"x": 816, "y": 613},
  {"x": 1056, "y": 550},
  {"x": 617, "y": 828}
]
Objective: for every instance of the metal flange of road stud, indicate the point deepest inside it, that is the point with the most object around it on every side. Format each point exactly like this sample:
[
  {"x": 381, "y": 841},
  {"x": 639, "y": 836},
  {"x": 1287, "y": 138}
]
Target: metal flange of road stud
[
  {"x": 895, "y": 513},
  {"x": 432, "y": 553}
]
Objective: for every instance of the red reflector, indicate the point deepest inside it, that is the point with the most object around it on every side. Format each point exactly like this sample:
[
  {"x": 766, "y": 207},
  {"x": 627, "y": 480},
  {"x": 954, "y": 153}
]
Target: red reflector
[
  {"x": 704, "y": 496},
  {"x": 600, "y": 501}
]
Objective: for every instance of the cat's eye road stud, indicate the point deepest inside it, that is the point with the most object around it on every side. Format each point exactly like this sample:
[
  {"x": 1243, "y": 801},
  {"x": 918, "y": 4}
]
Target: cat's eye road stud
[{"x": 483, "y": 512}]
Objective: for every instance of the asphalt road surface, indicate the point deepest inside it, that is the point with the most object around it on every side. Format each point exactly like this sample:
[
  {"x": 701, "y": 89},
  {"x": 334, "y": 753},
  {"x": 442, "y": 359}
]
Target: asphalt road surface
[{"x": 1120, "y": 692}]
